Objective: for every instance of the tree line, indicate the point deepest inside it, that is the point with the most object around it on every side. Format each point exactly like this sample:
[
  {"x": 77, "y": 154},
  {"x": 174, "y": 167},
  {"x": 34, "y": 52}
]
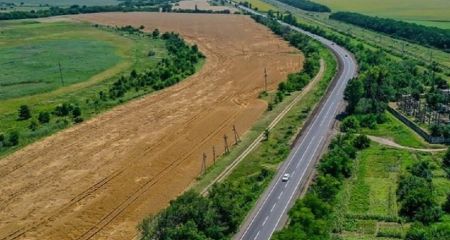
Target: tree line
[
  {"x": 307, "y": 5},
  {"x": 428, "y": 36}
]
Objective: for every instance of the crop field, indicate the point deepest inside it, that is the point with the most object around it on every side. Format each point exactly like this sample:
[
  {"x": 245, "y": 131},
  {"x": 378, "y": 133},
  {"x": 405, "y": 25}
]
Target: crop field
[
  {"x": 30, "y": 55},
  {"x": 261, "y": 5},
  {"x": 368, "y": 207},
  {"x": 96, "y": 180},
  {"x": 427, "y": 12}
]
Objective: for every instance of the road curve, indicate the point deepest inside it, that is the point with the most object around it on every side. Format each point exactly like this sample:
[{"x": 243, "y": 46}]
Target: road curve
[{"x": 270, "y": 212}]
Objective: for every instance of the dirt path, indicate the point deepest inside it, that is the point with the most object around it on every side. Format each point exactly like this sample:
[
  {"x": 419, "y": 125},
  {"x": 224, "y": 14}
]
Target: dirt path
[
  {"x": 388, "y": 142},
  {"x": 97, "y": 180}
]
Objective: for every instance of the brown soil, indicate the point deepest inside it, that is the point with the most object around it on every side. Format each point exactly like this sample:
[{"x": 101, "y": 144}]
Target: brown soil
[{"x": 97, "y": 180}]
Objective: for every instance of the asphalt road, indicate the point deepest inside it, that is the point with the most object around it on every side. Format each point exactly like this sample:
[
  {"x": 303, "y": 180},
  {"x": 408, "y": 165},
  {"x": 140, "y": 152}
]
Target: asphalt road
[{"x": 270, "y": 213}]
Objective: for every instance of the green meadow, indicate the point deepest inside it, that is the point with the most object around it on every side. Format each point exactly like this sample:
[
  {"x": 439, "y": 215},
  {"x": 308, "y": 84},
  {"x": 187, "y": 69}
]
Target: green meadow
[{"x": 427, "y": 12}]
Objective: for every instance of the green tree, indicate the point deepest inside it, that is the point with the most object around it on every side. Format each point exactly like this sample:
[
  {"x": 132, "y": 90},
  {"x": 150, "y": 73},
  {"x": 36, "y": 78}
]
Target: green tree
[
  {"x": 24, "y": 112},
  {"x": 353, "y": 93},
  {"x": 361, "y": 142},
  {"x": 350, "y": 124}
]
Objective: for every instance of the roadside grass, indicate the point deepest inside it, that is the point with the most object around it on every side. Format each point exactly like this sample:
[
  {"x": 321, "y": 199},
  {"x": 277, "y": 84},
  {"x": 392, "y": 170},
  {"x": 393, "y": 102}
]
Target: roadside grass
[
  {"x": 397, "y": 131},
  {"x": 134, "y": 51},
  {"x": 367, "y": 206}
]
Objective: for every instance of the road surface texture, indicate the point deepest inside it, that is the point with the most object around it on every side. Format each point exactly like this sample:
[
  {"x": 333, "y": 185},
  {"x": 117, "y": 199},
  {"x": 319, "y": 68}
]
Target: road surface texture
[
  {"x": 271, "y": 209},
  {"x": 97, "y": 180}
]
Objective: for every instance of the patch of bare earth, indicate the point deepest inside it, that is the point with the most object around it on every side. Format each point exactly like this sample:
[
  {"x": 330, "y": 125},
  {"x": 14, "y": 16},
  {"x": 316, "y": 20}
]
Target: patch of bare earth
[{"x": 97, "y": 180}]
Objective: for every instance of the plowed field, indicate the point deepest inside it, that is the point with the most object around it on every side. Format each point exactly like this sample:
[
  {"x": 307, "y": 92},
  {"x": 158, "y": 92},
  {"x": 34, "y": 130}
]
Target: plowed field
[{"x": 97, "y": 180}]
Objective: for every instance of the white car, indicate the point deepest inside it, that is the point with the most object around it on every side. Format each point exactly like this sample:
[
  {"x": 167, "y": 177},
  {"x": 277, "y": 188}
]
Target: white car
[{"x": 285, "y": 177}]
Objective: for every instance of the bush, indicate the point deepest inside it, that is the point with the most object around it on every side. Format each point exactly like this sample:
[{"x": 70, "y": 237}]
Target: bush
[
  {"x": 13, "y": 139},
  {"x": 78, "y": 119},
  {"x": 361, "y": 142},
  {"x": 44, "y": 117},
  {"x": 350, "y": 124},
  {"x": 446, "y": 206},
  {"x": 63, "y": 109},
  {"x": 24, "y": 112}
]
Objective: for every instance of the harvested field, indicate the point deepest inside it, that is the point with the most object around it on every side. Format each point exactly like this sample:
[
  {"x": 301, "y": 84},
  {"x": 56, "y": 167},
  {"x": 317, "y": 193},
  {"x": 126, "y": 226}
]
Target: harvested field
[{"x": 97, "y": 180}]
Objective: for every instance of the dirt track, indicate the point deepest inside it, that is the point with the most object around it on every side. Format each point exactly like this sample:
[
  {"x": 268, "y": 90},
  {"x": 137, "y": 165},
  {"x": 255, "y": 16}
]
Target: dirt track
[{"x": 98, "y": 179}]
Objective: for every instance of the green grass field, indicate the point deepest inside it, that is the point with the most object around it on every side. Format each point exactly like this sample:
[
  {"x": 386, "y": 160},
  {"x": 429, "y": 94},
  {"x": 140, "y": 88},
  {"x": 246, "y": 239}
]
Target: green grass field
[
  {"x": 367, "y": 205},
  {"x": 30, "y": 55},
  {"x": 29, "y": 5},
  {"x": 261, "y": 5},
  {"x": 427, "y": 12},
  {"x": 97, "y": 74}
]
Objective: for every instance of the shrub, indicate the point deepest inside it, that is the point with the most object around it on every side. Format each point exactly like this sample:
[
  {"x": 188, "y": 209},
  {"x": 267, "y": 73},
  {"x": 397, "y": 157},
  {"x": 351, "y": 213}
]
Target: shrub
[
  {"x": 24, "y": 112},
  {"x": 13, "y": 138},
  {"x": 350, "y": 124},
  {"x": 63, "y": 109},
  {"x": 44, "y": 117},
  {"x": 78, "y": 119},
  {"x": 361, "y": 142}
]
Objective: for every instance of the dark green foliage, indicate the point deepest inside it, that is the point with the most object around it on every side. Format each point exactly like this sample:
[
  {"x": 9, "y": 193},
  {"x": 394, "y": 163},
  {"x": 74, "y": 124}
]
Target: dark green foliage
[
  {"x": 76, "y": 112},
  {"x": 44, "y": 117},
  {"x": 350, "y": 124},
  {"x": 361, "y": 142},
  {"x": 429, "y": 36},
  {"x": 416, "y": 198},
  {"x": 63, "y": 109},
  {"x": 446, "y": 206},
  {"x": 326, "y": 186},
  {"x": 435, "y": 232},
  {"x": 353, "y": 93},
  {"x": 13, "y": 139},
  {"x": 216, "y": 216},
  {"x": 307, "y": 5},
  {"x": 422, "y": 169},
  {"x": 24, "y": 112},
  {"x": 155, "y": 33}
]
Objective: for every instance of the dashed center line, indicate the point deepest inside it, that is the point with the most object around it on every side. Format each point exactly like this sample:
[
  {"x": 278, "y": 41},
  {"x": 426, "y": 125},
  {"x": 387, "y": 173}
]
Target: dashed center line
[
  {"x": 281, "y": 193},
  {"x": 273, "y": 207},
  {"x": 265, "y": 220}
]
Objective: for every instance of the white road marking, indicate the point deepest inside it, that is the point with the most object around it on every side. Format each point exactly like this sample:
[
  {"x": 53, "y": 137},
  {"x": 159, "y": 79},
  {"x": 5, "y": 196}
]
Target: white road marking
[
  {"x": 265, "y": 220},
  {"x": 273, "y": 207}
]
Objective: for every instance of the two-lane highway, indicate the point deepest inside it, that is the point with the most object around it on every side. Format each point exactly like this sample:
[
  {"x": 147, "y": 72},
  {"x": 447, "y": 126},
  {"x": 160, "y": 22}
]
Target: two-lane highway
[{"x": 270, "y": 212}]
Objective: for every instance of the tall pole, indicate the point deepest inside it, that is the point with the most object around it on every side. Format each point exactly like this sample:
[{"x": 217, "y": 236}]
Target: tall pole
[
  {"x": 60, "y": 73},
  {"x": 204, "y": 164},
  {"x": 236, "y": 135},
  {"x": 225, "y": 139},
  {"x": 214, "y": 154},
  {"x": 265, "y": 79}
]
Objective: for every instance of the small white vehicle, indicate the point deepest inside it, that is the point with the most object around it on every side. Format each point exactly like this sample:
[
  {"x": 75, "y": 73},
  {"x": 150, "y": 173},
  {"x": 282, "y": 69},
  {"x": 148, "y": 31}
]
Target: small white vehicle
[{"x": 285, "y": 177}]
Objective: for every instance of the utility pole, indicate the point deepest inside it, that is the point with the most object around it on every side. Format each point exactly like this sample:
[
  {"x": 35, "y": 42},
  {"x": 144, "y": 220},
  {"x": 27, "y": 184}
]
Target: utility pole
[
  {"x": 204, "y": 164},
  {"x": 225, "y": 139},
  {"x": 265, "y": 79},
  {"x": 60, "y": 73},
  {"x": 214, "y": 154},
  {"x": 236, "y": 135}
]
